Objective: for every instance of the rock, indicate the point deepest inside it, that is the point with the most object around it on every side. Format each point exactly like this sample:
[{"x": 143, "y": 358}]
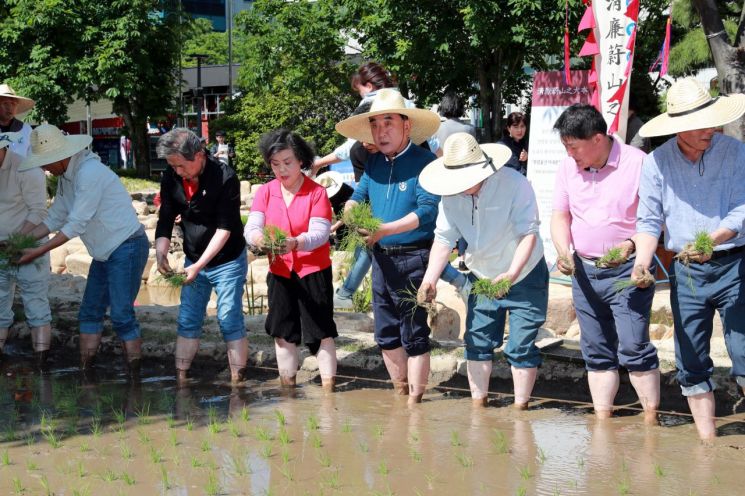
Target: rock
[
  {"x": 341, "y": 262},
  {"x": 140, "y": 207},
  {"x": 247, "y": 200},
  {"x": 258, "y": 269},
  {"x": 657, "y": 331},
  {"x": 450, "y": 322},
  {"x": 78, "y": 263},
  {"x": 148, "y": 265},
  {"x": 573, "y": 332},
  {"x": 150, "y": 221},
  {"x": 255, "y": 188},
  {"x": 176, "y": 261},
  {"x": 245, "y": 188},
  {"x": 150, "y": 233},
  {"x": 560, "y": 314}
]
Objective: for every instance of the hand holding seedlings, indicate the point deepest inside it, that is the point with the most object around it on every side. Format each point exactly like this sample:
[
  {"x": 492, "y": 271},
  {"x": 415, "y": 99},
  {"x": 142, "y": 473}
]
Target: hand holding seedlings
[
  {"x": 496, "y": 289},
  {"x": 565, "y": 264},
  {"x": 640, "y": 277},
  {"x": 16, "y": 250},
  {"x": 426, "y": 294},
  {"x": 698, "y": 251},
  {"x": 362, "y": 227},
  {"x": 274, "y": 240},
  {"x": 175, "y": 279},
  {"x": 613, "y": 258}
]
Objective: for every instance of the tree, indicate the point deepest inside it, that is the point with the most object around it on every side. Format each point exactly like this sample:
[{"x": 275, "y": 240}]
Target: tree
[
  {"x": 200, "y": 38},
  {"x": 294, "y": 75},
  {"x": 469, "y": 46},
  {"x": 716, "y": 34},
  {"x": 122, "y": 50}
]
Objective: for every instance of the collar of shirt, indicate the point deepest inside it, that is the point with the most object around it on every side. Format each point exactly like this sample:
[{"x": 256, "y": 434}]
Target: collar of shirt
[
  {"x": 614, "y": 158},
  {"x": 408, "y": 146}
]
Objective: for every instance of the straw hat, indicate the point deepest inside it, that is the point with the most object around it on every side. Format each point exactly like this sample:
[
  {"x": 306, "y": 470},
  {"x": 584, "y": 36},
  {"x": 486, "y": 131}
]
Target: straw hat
[
  {"x": 424, "y": 123},
  {"x": 49, "y": 145},
  {"x": 7, "y": 139},
  {"x": 24, "y": 104},
  {"x": 463, "y": 165},
  {"x": 332, "y": 181},
  {"x": 690, "y": 107}
]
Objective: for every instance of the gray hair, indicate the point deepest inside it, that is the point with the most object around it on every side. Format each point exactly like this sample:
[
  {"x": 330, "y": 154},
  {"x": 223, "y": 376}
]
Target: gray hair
[{"x": 181, "y": 141}]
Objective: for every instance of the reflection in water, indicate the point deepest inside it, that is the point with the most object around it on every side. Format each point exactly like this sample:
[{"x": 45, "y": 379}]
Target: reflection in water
[{"x": 111, "y": 437}]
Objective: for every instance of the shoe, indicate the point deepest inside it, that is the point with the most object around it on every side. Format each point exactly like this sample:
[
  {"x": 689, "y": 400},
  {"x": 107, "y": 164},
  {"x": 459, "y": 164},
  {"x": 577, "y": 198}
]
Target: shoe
[
  {"x": 462, "y": 266},
  {"x": 342, "y": 302}
]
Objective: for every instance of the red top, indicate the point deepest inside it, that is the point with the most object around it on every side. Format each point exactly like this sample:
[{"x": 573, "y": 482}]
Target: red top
[
  {"x": 310, "y": 201},
  {"x": 190, "y": 187}
]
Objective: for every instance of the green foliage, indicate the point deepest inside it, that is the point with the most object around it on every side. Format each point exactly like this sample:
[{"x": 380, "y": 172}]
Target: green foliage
[
  {"x": 274, "y": 238},
  {"x": 12, "y": 248},
  {"x": 612, "y": 256},
  {"x": 360, "y": 216},
  {"x": 703, "y": 243},
  {"x": 201, "y": 39},
  {"x": 490, "y": 289}
]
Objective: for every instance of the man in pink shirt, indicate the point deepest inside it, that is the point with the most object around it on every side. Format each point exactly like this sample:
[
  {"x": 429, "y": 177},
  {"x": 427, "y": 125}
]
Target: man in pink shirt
[{"x": 594, "y": 210}]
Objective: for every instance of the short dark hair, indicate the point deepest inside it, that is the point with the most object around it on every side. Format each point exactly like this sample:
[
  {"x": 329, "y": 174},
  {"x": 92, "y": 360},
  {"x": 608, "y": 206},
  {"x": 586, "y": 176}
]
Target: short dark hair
[
  {"x": 220, "y": 133},
  {"x": 580, "y": 121},
  {"x": 514, "y": 119},
  {"x": 372, "y": 73},
  {"x": 282, "y": 139},
  {"x": 451, "y": 106},
  {"x": 363, "y": 108}
]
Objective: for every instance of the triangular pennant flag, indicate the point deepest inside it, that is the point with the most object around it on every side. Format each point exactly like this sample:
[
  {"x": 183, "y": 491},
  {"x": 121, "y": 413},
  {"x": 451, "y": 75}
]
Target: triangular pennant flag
[
  {"x": 567, "y": 66},
  {"x": 590, "y": 47},
  {"x": 588, "y": 20},
  {"x": 614, "y": 125},
  {"x": 666, "y": 48},
  {"x": 618, "y": 95},
  {"x": 596, "y": 98},
  {"x": 632, "y": 10},
  {"x": 632, "y": 40}
]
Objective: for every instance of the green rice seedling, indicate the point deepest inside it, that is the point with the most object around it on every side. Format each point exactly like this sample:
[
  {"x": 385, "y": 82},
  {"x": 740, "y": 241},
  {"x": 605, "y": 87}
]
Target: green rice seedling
[
  {"x": 5, "y": 458},
  {"x": 525, "y": 473},
  {"x": 196, "y": 462},
  {"x": 205, "y": 446},
  {"x": 522, "y": 491},
  {"x": 156, "y": 455},
  {"x": 31, "y": 466},
  {"x": 45, "y": 485},
  {"x": 364, "y": 447},
  {"x": 568, "y": 262},
  {"x": 262, "y": 434},
  {"x": 414, "y": 436},
  {"x": 126, "y": 451},
  {"x": 360, "y": 216},
  {"x": 332, "y": 481},
  {"x": 464, "y": 460},
  {"x": 174, "y": 279},
  {"x": 499, "y": 441},
  {"x": 214, "y": 427},
  {"x": 52, "y": 438},
  {"x": 128, "y": 479},
  {"x": 164, "y": 479},
  {"x": 245, "y": 415},
  {"x": 541, "y": 456},
  {"x": 9, "y": 434},
  {"x": 658, "y": 470},
  {"x": 623, "y": 487},
  {"x": 274, "y": 238},
  {"x": 81, "y": 470},
  {"x": 17, "y": 486},
  {"x": 143, "y": 436},
  {"x": 286, "y": 472},
  {"x": 12, "y": 249},
  {"x": 173, "y": 439},
  {"x": 281, "y": 420},
  {"x": 455, "y": 439},
  {"x": 109, "y": 476},
  {"x": 378, "y": 432},
  {"x": 312, "y": 423},
  {"x": 284, "y": 436},
  {"x": 315, "y": 440},
  {"x": 383, "y": 468},
  {"x": 346, "y": 426},
  {"x": 143, "y": 414},
  {"x": 83, "y": 491},
  {"x": 580, "y": 463},
  {"x": 409, "y": 302},
  {"x": 266, "y": 451},
  {"x": 486, "y": 288},
  {"x": 189, "y": 424},
  {"x": 415, "y": 455},
  {"x": 284, "y": 455},
  {"x": 84, "y": 447},
  {"x": 119, "y": 416},
  {"x": 29, "y": 439},
  {"x": 212, "y": 488},
  {"x": 96, "y": 429},
  {"x": 612, "y": 257},
  {"x": 170, "y": 421},
  {"x": 239, "y": 467},
  {"x": 324, "y": 459}
]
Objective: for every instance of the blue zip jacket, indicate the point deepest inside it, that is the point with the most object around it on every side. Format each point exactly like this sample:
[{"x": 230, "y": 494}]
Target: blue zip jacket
[{"x": 392, "y": 188}]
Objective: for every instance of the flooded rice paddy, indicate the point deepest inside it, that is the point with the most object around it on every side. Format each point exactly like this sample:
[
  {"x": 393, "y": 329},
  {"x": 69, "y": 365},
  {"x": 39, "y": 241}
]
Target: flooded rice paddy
[{"x": 64, "y": 434}]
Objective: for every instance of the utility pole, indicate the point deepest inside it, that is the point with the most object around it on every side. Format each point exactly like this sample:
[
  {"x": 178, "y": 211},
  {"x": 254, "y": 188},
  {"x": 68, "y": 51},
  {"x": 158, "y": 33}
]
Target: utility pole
[
  {"x": 200, "y": 102},
  {"x": 229, "y": 21}
]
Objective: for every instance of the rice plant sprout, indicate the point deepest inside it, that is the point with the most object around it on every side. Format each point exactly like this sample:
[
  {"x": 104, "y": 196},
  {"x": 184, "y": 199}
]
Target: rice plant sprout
[
  {"x": 491, "y": 289},
  {"x": 611, "y": 258},
  {"x": 274, "y": 239},
  {"x": 359, "y": 216},
  {"x": 174, "y": 278},
  {"x": 12, "y": 248},
  {"x": 702, "y": 244}
]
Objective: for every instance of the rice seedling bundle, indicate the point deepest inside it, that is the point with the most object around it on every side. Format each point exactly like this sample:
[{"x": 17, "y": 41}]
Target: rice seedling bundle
[
  {"x": 274, "y": 238},
  {"x": 702, "y": 244},
  {"x": 567, "y": 261},
  {"x": 612, "y": 258},
  {"x": 360, "y": 216},
  {"x": 12, "y": 248},
  {"x": 491, "y": 289},
  {"x": 175, "y": 279}
]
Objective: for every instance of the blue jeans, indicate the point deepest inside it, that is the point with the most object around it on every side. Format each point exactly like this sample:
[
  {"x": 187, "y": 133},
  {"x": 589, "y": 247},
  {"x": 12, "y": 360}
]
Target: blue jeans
[
  {"x": 227, "y": 279},
  {"x": 614, "y": 324},
  {"x": 362, "y": 262},
  {"x": 115, "y": 283},
  {"x": 527, "y": 303},
  {"x": 696, "y": 292}
]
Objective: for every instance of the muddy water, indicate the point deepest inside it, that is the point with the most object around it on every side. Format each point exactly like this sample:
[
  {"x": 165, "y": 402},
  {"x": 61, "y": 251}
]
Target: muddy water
[{"x": 64, "y": 435}]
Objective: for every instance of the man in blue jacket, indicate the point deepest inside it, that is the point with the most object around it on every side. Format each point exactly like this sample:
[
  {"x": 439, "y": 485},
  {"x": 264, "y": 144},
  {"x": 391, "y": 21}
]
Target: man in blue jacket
[{"x": 401, "y": 245}]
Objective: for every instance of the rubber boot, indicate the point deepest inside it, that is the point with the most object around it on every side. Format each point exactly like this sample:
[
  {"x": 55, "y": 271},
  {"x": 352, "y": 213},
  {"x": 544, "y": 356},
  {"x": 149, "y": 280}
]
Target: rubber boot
[
  {"x": 418, "y": 374},
  {"x": 89, "y": 344},
  {"x": 523, "y": 381},
  {"x": 326, "y": 357},
  {"x": 237, "y": 359},
  {"x": 287, "y": 362},
  {"x": 396, "y": 362},
  {"x": 647, "y": 386},
  {"x": 603, "y": 389},
  {"x": 133, "y": 357},
  {"x": 479, "y": 373},
  {"x": 186, "y": 349},
  {"x": 702, "y": 409},
  {"x": 3, "y": 338}
]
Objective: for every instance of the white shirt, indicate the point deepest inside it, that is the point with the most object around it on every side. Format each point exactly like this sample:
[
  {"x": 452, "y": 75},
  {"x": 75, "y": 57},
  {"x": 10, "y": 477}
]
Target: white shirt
[
  {"x": 492, "y": 222},
  {"x": 24, "y": 143},
  {"x": 23, "y": 195},
  {"x": 91, "y": 202}
]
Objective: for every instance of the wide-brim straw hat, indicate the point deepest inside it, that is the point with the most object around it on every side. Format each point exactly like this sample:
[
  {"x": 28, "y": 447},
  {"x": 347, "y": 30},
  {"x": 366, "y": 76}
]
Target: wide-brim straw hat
[
  {"x": 49, "y": 145},
  {"x": 424, "y": 123},
  {"x": 332, "y": 181},
  {"x": 464, "y": 164},
  {"x": 691, "y": 107},
  {"x": 7, "y": 139},
  {"x": 24, "y": 104}
]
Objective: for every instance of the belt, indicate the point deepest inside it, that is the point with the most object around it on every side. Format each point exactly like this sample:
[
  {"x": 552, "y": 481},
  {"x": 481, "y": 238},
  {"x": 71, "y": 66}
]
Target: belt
[
  {"x": 398, "y": 249},
  {"x": 592, "y": 260},
  {"x": 725, "y": 253}
]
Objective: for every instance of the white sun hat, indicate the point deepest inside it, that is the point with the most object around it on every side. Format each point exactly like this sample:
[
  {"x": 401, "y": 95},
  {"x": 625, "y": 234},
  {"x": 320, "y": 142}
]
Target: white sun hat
[
  {"x": 464, "y": 164},
  {"x": 424, "y": 123},
  {"x": 332, "y": 181},
  {"x": 24, "y": 104},
  {"x": 49, "y": 145},
  {"x": 691, "y": 107},
  {"x": 7, "y": 139}
]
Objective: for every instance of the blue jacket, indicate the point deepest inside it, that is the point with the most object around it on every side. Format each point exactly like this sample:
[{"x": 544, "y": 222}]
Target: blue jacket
[{"x": 393, "y": 190}]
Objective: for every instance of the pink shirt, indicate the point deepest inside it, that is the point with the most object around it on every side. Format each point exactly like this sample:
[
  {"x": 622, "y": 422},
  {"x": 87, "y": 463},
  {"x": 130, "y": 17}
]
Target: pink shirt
[
  {"x": 602, "y": 204},
  {"x": 310, "y": 201}
]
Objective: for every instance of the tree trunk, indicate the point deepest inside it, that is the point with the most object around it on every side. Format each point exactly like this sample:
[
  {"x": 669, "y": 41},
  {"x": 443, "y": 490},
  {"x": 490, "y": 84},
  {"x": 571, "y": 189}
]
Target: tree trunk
[
  {"x": 730, "y": 70},
  {"x": 485, "y": 98},
  {"x": 497, "y": 96},
  {"x": 137, "y": 128}
]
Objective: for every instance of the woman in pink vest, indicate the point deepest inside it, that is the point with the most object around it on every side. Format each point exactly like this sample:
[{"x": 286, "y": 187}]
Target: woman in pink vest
[{"x": 299, "y": 281}]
